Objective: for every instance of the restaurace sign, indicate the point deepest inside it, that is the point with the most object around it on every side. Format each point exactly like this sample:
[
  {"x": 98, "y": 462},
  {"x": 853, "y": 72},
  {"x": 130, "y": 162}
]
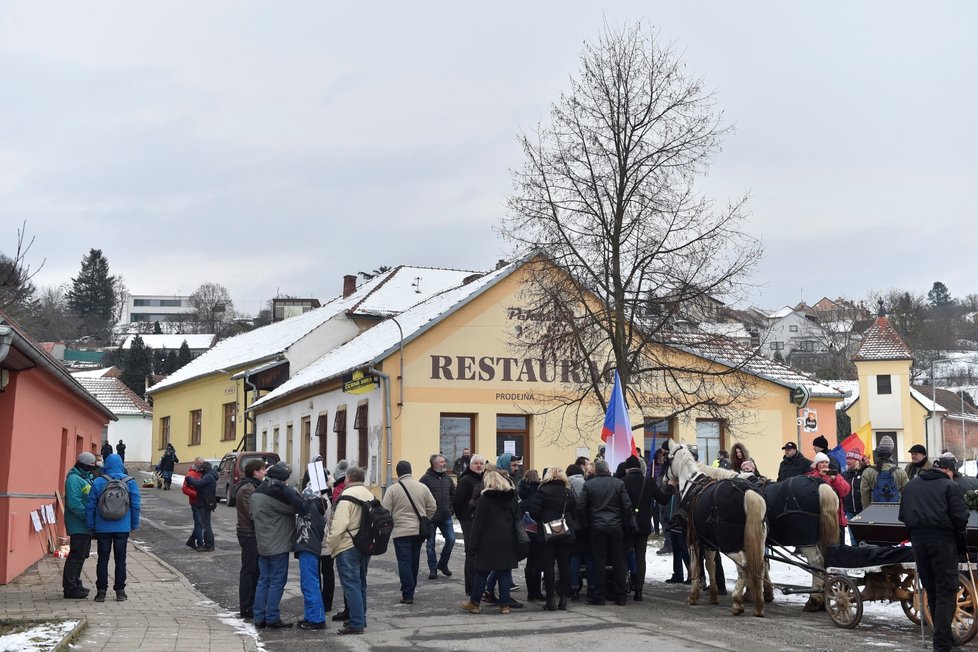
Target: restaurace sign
[{"x": 490, "y": 368}]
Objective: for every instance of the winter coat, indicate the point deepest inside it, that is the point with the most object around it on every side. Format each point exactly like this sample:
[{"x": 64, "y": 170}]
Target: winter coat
[
  {"x": 854, "y": 501},
  {"x": 309, "y": 529},
  {"x": 576, "y": 484},
  {"x": 550, "y": 502},
  {"x": 841, "y": 488},
  {"x": 493, "y": 534},
  {"x": 443, "y": 489},
  {"x": 797, "y": 464},
  {"x": 120, "y": 450},
  {"x": 406, "y": 522},
  {"x": 328, "y": 518},
  {"x": 735, "y": 462},
  {"x": 205, "y": 485},
  {"x": 106, "y": 451},
  {"x": 912, "y": 468},
  {"x": 188, "y": 488},
  {"x": 645, "y": 495},
  {"x": 168, "y": 460},
  {"x": 604, "y": 503},
  {"x": 338, "y": 490},
  {"x": 242, "y": 502},
  {"x": 112, "y": 469},
  {"x": 967, "y": 483},
  {"x": 461, "y": 465},
  {"x": 934, "y": 505},
  {"x": 870, "y": 473},
  {"x": 525, "y": 491},
  {"x": 274, "y": 506},
  {"x": 346, "y": 519},
  {"x": 78, "y": 484},
  {"x": 463, "y": 495}
]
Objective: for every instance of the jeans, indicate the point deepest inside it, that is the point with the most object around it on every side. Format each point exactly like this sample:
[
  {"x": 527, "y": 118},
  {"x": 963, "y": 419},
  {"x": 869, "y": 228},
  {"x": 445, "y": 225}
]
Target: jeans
[
  {"x": 167, "y": 478},
  {"x": 575, "y": 570},
  {"x": 248, "y": 575},
  {"x": 202, "y": 520},
  {"x": 469, "y": 571},
  {"x": 114, "y": 542},
  {"x": 328, "y": 581},
  {"x": 447, "y": 528},
  {"x": 198, "y": 534},
  {"x": 80, "y": 548},
  {"x": 273, "y": 573},
  {"x": 680, "y": 553},
  {"x": 352, "y": 568},
  {"x": 312, "y": 596},
  {"x": 937, "y": 568},
  {"x": 608, "y": 545},
  {"x": 505, "y": 578},
  {"x": 408, "y": 553}
]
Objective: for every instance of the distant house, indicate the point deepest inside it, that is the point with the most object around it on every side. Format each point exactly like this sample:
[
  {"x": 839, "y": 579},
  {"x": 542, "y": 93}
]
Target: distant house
[
  {"x": 149, "y": 308},
  {"x": 135, "y": 416},
  {"x": 285, "y": 307},
  {"x": 796, "y": 339},
  {"x": 47, "y": 419}
]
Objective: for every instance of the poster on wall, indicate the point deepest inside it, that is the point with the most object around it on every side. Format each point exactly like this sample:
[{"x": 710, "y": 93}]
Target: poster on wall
[
  {"x": 509, "y": 446},
  {"x": 49, "y": 510},
  {"x": 809, "y": 420},
  {"x": 36, "y": 520}
]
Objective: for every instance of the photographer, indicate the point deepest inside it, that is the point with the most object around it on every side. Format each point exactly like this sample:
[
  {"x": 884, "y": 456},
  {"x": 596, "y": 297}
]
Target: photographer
[{"x": 839, "y": 484}]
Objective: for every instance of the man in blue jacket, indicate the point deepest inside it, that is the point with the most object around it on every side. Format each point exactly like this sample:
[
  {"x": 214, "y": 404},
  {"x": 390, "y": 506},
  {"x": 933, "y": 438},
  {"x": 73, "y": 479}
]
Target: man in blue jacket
[
  {"x": 78, "y": 483},
  {"x": 111, "y": 535},
  {"x": 206, "y": 487}
]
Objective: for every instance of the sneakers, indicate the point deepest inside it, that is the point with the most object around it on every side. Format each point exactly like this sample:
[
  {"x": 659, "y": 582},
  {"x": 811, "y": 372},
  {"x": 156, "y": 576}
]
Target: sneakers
[
  {"x": 407, "y": 600},
  {"x": 433, "y": 575},
  {"x": 349, "y": 630},
  {"x": 471, "y": 607},
  {"x": 515, "y": 587},
  {"x": 490, "y": 598},
  {"x": 79, "y": 594},
  {"x": 305, "y": 624},
  {"x": 341, "y": 616},
  {"x": 205, "y": 549},
  {"x": 444, "y": 569},
  {"x": 120, "y": 596},
  {"x": 100, "y": 596},
  {"x": 277, "y": 624},
  {"x": 504, "y": 609}
]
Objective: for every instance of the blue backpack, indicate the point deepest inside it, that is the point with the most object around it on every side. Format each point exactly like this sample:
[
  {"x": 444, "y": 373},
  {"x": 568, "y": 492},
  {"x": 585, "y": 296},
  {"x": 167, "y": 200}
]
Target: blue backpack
[{"x": 885, "y": 488}]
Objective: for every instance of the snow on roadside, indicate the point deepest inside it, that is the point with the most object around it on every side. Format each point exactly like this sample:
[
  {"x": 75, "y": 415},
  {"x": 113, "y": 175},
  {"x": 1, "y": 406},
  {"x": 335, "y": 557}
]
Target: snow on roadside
[{"x": 39, "y": 638}]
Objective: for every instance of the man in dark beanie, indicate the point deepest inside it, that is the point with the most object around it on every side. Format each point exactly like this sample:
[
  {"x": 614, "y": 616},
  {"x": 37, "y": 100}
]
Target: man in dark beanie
[
  {"x": 463, "y": 505},
  {"x": 408, "y": 501},
  {"x": 918, "y": 461}
]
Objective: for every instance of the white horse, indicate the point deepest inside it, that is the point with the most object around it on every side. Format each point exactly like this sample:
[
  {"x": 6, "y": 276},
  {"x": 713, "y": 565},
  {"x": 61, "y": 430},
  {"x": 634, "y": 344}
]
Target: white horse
[{"x": 751, "y": 568}]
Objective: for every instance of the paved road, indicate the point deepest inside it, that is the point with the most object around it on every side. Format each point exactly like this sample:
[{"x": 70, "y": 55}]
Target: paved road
[{"x": 436, "y": 622}]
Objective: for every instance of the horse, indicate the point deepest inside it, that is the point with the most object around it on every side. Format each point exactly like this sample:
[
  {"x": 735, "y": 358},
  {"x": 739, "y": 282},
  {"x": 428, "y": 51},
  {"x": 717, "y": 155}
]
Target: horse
[{"x": 725, "y": 515}]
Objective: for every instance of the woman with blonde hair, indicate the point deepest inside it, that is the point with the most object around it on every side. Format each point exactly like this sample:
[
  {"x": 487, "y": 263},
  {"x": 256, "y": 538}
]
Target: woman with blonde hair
[
  {"x": 494, "y": 540},
  {"x": 553, "y": 501}
]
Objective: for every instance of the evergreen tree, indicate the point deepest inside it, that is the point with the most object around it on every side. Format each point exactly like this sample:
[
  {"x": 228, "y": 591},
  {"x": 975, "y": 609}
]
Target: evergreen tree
[
  {"x": 157, "y": 330},
  {"x": 183, "y": 357},
  {"x": 138, "y": 365},
  {"x": 92, "y": 296},
  {"x": 939, "y": 296},
  {"x": 159, "y": 360},
  {"x": 170, "y": 364}
]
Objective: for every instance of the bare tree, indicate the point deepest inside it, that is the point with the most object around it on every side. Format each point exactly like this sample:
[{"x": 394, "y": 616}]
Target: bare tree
[
  {"x": 213, "y": 309},
  {"x": 17, "y": 291},
  {"x": 632, "y": 256}
]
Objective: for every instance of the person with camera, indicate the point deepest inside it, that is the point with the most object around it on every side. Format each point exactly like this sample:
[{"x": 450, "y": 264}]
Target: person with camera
[
  {"x": 934, "y": 512},
  {"x": 831, "y": 477}
]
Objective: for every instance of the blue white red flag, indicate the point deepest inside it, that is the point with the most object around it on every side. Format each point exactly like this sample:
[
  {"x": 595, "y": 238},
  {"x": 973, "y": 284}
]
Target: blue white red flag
[{"x": 617, "y": 430}]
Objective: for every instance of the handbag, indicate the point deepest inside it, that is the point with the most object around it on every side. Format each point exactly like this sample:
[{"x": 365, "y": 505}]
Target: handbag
[
  {"x": 424, "y": 523},
  {"x": 558, "y": 530},
  {"x": 529, "y": 525}
]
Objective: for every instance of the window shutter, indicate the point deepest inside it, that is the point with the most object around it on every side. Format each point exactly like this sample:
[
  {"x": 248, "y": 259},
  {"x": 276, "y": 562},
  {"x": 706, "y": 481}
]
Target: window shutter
[
  {"x": 339, "y": 423},
  {"x": 360, "y": 421}
]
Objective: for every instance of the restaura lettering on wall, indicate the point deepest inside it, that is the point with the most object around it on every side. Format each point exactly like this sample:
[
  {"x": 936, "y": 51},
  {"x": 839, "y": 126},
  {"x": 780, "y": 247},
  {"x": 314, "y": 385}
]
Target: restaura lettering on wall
[{"x": 495, "y": 369}]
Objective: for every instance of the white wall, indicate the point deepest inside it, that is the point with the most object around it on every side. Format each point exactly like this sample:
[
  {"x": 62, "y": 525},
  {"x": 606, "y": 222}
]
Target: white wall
[
  {"x": 336, "y": 331},
  {"x": 137, "y": 433},
  {"x": 886, "y": 410}
]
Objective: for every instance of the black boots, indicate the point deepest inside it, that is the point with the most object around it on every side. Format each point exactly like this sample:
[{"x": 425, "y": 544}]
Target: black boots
[{"x": 550, "y": 605}]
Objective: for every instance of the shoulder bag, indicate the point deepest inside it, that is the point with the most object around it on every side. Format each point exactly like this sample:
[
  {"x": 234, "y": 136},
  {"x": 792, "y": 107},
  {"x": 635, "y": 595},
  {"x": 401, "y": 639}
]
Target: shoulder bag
[
  {"x": 424, "y": 523},
  {"x": 558, "y": 530}
]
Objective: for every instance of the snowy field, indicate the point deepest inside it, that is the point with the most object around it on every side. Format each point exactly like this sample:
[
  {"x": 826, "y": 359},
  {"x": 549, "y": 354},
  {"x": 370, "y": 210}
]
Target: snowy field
[{"x": 39, "y": 638}]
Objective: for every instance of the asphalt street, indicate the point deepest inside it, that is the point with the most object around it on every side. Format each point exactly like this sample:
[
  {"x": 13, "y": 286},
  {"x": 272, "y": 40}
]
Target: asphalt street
[{"x": 435, "y": 621}]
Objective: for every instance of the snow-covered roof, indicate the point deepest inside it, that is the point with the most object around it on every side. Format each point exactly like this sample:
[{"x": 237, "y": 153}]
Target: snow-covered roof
[
  {"x": 378, "y": 342},
  {"x": 113, "y": 394},
  {"x": 850, "y": 387},
  {"x": 101, "y": 372},
  {"x": 172, "y": 341},
  {"x": 784, "y": 312},
  {"x": 882, "y": 342},
  {"x": 730, "y": 329},
  {"x": 405, "y": 286}
]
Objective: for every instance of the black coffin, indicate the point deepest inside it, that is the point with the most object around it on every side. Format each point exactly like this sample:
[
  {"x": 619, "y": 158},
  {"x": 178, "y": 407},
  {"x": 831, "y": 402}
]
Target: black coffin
[{"x": 879, "y": 525}]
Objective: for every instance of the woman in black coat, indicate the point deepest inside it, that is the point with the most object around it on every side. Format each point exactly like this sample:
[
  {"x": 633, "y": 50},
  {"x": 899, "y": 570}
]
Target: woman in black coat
[
  {"x": 526, "y": 489},
  {"x": 494, "y": 540},
  {"x": 552, "y": 501}
]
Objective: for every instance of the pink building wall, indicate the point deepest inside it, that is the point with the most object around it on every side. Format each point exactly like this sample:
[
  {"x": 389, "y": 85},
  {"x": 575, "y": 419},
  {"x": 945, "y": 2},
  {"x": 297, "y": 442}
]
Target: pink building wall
[{"x": 43, "y": 429}]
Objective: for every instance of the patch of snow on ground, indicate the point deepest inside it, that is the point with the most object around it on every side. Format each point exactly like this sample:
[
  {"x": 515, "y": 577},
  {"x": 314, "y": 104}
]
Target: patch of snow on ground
[
  {"x": 37, "y": 639},
  {"x": 240, "y": 627}
]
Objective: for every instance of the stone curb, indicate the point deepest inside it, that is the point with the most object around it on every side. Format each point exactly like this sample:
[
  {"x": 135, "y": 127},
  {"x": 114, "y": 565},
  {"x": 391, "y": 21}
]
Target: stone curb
[{"x": 70, "y": 637}]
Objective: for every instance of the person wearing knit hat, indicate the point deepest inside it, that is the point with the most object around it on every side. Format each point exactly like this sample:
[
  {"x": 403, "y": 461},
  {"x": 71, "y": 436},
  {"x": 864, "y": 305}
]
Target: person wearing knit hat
[
  {"x": 821, "y": 444},
  {"x": 853, "y": 503},
  {"x": 78, "y": 483},
  {"x": 918, "y": 461},
  {"x": 339, "y": 479},
  {"x": 884, "y": 481},
  {"x": 821, "y": 470}
]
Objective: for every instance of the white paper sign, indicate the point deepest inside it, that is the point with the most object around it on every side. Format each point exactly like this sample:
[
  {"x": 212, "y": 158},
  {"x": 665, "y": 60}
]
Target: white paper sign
[
  {"x": 509, "y": 446},
  {"x": 49, "y": 510},
  {"x": 36, "y": 519},
  {"x": 317, "y": 476}
]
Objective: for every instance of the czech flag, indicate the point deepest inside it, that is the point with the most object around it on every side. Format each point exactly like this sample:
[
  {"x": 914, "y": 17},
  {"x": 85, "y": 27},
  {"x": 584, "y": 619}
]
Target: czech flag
[{"x": 617, "y": 430}]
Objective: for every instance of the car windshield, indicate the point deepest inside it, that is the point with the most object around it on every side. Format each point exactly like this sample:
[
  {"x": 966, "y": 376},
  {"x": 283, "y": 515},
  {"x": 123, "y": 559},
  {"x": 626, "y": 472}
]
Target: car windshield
[{"x": 269, "y": 458}]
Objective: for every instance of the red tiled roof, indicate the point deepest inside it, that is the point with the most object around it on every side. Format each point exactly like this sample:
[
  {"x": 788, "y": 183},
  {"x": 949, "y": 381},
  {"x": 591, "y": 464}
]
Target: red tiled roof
[{"x": 882, "y": 342}]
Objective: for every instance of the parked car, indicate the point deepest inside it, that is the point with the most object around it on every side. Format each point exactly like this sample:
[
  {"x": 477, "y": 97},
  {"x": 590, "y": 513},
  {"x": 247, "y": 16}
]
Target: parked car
[{"x": 230, "y": 470}]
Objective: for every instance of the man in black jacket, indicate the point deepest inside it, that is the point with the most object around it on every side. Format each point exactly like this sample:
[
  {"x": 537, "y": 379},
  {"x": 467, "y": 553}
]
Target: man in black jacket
[
  {"x": 853, "y": 502},
  {"x": 794, "y": 463},
  {"x": 442, "y": 488},
  {"x": 645, "y": 496},
  {"x": 606, "y": 509},
  {"x": 933, "y": 510},
  {"x": 461, "y": 504},
  {"x": 206, "y": 486}
]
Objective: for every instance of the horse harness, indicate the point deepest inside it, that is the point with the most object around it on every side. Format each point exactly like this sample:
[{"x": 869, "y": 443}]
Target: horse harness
[{"x": 791, "y": 504}]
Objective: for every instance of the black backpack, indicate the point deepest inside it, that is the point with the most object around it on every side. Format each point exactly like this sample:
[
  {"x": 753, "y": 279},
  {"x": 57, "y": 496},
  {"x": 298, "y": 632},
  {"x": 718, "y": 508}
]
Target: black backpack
[{"x": 376, "y": 525}]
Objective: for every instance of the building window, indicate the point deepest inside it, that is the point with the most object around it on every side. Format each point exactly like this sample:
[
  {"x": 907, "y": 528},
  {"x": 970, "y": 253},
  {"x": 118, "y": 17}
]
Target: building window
[
  {"x": 455, "y": 432},
  {"x": 363, "y": 446},
  {"x": 164, "y": 432},
  {"x": 777, "y": 346},
  {"x": 513, "y": 436},
  {"x": 709, "y": 439},
  {"x": 275, "y": 440},
  {"x": 230, "y": 419},
  {"x": 793, "y": 329},
  {"x": 264, "y": 440},
  {"x": 883, "y": 385},
  {"x": 194, "y": 427},
  {"x": 288, "y": 443},
  {"x": 657, "y": 429},
  {"x": 322, "y": 428},
  {"x": 305, "y": 432},
  {"x": 339, "y": 427}
]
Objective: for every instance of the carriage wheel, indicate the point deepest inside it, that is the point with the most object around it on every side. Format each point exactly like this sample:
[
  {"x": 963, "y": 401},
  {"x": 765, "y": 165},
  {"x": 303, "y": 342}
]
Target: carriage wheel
[
  {"x": 843, "y": 602},
  {"x": 911, "y": 606},
  {"x": 964, "y": 626}
]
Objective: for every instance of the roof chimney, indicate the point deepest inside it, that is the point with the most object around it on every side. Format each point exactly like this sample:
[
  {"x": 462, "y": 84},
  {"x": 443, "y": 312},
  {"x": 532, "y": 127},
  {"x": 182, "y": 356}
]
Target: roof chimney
[
  {"x": 501, "y": 263},
  {"x": 349, "y": 284}
]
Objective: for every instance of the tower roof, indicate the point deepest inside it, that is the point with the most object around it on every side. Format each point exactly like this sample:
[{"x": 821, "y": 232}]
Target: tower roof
[{"x": 882, "y": 342}]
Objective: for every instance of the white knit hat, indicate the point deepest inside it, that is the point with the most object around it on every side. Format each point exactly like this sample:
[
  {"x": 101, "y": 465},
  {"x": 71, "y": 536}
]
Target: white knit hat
[{"x": 820, "y": 457}]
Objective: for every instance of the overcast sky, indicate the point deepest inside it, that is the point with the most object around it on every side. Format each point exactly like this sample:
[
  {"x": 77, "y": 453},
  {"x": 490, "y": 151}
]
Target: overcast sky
[{"x": 275, "y": 146}]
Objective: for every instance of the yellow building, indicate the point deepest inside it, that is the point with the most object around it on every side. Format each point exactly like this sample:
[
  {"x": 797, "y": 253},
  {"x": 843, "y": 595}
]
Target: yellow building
[{"x": 449, "y": 377}]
